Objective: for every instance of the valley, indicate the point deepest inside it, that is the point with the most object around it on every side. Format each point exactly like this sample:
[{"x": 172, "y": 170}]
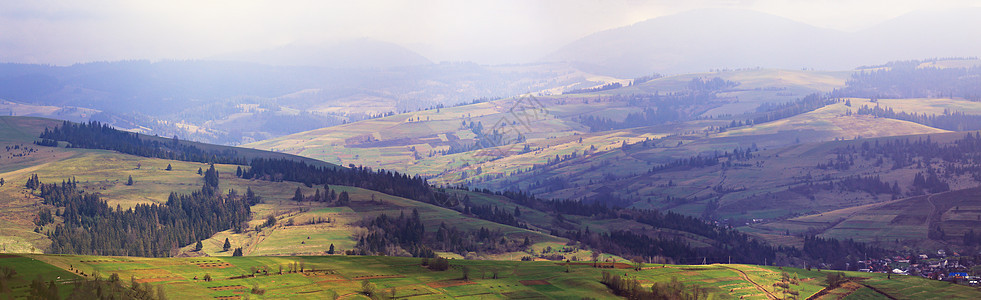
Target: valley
[
  {"x": 748, "y": 166},
  {"x": 655, "y": 150}
]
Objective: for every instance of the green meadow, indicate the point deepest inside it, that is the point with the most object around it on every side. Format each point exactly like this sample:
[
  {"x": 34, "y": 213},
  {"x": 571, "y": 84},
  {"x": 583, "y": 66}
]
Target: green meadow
[{"x": 338, "y": 276}]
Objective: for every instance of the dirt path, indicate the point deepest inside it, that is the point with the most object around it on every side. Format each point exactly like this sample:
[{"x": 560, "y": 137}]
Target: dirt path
[
  {"x": 758, "y": 286},
  {"x": 936, "y": 216},
  {"x": 252, "y": 244}
]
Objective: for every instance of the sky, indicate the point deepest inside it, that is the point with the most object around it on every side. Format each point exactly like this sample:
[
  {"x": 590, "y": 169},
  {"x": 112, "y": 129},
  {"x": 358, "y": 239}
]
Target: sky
[{"x": 487, "y": 32}]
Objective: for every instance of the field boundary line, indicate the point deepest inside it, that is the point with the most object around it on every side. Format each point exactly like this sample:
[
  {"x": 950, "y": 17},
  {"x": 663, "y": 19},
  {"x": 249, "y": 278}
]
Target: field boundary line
[{"x": 880, "y": 292}]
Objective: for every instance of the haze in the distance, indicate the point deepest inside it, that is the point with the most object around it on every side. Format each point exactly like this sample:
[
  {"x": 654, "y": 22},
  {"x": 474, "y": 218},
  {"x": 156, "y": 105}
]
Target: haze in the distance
[{"x": 487, "y": 32}]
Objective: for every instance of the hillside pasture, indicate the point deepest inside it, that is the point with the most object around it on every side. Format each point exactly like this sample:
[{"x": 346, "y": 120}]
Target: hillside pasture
[{"x": 345, "y": 276}]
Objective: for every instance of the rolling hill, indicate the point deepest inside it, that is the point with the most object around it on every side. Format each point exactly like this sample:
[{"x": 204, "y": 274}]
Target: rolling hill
[
  {"x": 412, "y": 142},
  {"x": 558, "y": 145},
  {"x": 748, "y": 154},
  {"x": 289, "y": 211}
]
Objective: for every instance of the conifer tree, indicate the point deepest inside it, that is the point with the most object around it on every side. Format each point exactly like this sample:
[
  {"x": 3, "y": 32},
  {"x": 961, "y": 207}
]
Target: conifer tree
[
  {"x": 228, "y": 245},
  {"x": 298, "y": 196},
  {"x": 343, "y": 199}
]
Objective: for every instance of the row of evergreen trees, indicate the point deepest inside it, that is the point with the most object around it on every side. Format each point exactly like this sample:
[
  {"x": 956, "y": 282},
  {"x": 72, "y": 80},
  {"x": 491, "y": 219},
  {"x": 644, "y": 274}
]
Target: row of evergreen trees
[
  {"x": 870, "y": 184},
  {"x": 669, "y": 290},
  {"x": 388, "y": 182},
  {"x": 493, "y": 214},
  {"x": 956, "y": 121},
  {"x": 95, "y": 135},
  {"x": 406, "y": 235},
  {"x": 655, "y": 109},
  {"x": 838, "y": 253},
  {"x": 391, "y": 236},
  {"x": 768, "y": 112}
]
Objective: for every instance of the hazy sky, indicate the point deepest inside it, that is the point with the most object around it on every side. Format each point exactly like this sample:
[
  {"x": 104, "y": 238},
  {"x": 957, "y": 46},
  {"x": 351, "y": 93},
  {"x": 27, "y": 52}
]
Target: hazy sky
[{"x": 66, "y": 32}]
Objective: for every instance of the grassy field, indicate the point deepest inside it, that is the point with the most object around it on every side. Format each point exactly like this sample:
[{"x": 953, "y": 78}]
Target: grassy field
[
  {"x": 18, "y": 156},
  {"x": 345, "y": 276},
  {"x": 303, "y": 238},
  {"x": 934, "y": 106},
  {"x": 834, "y": 121}
]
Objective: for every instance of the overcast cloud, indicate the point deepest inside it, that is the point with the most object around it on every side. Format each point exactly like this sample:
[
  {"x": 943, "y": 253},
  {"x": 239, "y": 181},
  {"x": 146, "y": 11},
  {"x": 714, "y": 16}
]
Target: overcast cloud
[{"x": 490, "y": 32}]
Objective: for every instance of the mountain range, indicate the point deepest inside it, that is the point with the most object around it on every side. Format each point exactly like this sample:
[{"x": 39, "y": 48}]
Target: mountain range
[{"x": 700, "y": 40}]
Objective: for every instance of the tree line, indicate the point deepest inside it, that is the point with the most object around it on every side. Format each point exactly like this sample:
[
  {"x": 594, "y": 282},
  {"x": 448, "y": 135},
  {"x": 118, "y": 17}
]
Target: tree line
[
  {"x": 955, "y": 121},
  {"x": 939, "y": 161},
  {"x": 388, "y": 182},
  {"x": 768, "y": 112},
  {"x": 835, "y": 254},
  {"x": 727, "y": 242},
  {"x": 95, "y": 135},
  {"x": 656, "y": 109},
  {"x": 605, "y": 87},
  {"x": 394, "y": 236},
  {"x": 906, "y": 79},
  {"x": 871, "y": 184},
  {"x": 670, "y": 290},
  {"x": 406, "y": 236}
]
